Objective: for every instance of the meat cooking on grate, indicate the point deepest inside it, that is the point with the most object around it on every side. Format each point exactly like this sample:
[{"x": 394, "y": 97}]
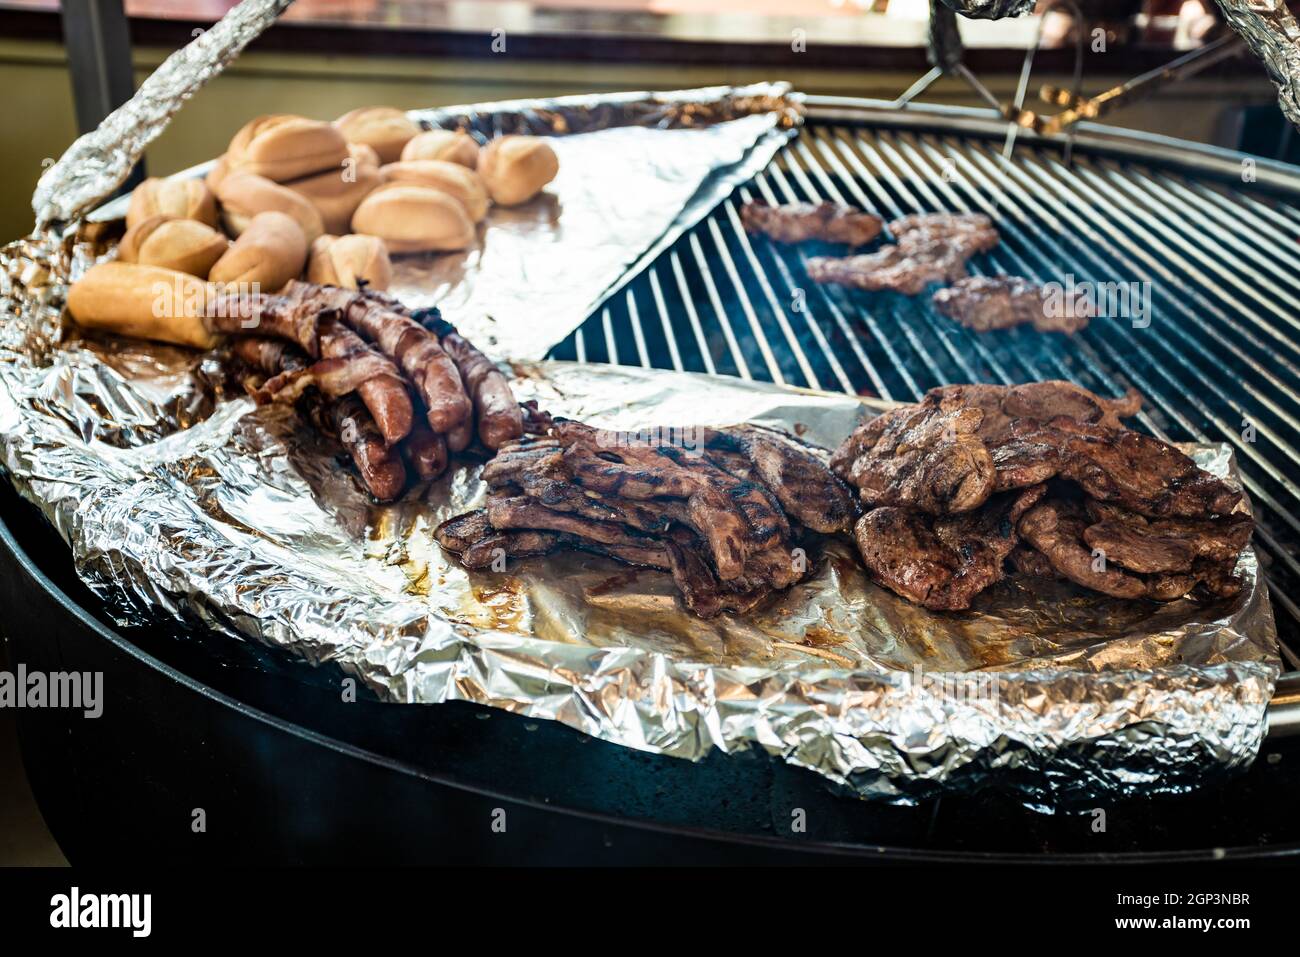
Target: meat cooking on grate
[
  {"x": 799, "y": 222},
  {"x": 723, "y": 513},
  {"x": 983, "y": 303},
  {"x": 1114, "y": 510},
  {"x": 932, "y": 247}
]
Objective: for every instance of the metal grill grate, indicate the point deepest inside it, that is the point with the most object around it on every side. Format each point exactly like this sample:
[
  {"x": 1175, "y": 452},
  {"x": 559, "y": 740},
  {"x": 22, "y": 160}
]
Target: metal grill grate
[{"x": 1221, "y": 353}]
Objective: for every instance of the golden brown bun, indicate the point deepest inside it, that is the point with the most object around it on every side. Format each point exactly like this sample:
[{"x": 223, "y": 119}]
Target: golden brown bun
[
  {"x": 363, "y": 155},
  {"x": 515, "y": 168},
  {"x": 383, "y": 128},
  {"x": 145, "y": 302},
  {"x": 452, "y": 178},
  {"x": 270, "y": 252},
  {"x": 185, "y": 245},
  {"x": 218, "y": 172},
  {"x": 284, "y": 147},
  {"x": 336, "y": 194},
  {"x": 453, "y": 146},
  {"x": 411, "y": 218},
  {"x": 244, "y": 195},
  {"x": 173, "y": 198},
  {"x": 343, "y": 260}
]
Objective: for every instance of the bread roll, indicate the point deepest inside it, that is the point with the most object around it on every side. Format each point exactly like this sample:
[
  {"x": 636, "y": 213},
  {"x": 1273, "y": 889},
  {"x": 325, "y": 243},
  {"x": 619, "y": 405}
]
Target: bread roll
[
  {"x": 185, "y": 245},
  {"x": 363, "y": 155},
  {"x": 451, "y": 178},
  {"x": 411, "y": 218},
  {"x": 270, "y": 252},
  {"x": 146, "y": 302},
  {"x": 219, "y": 171},
  {"x": 350, "y": 262},
  {"x": 245, "y": 195},
  {"x": 336, "y": 194},
  {"x": 453, "y": 146},
  {"x": 173, "y": 198},
  {"x": 383, "y": 128},
  {"x": 284, "y": 147},
  {"x": 515, "y": 168}
]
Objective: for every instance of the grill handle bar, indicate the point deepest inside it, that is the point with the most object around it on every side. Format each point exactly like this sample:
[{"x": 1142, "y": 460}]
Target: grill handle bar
[{"x": 1284, "y": 709}]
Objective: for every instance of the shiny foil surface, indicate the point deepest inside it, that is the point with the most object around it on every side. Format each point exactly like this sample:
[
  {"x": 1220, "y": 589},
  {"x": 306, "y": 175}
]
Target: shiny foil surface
[
  {"x": 180, "y": 499},
  {"x": 246, "y": 521}
]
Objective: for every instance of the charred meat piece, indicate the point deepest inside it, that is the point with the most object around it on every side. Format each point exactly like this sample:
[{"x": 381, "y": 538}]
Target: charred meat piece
[
  {"x": 942, "y": 563},
  {"x": 969, "y": 232},
  {"x": 798, "y": 222},
  {"x": 928, "y": 456},
  {"x": 486, "y": 552},
  {"x": 983, "y": 303},
  {"x": 702, "y": 592},
  {"x": 1029, "y": 561},
  {"x": 1055, "y": 529},
  {"x": 1039, "y": 402},
  {"x": 801, "y": 481},
  {"x": 461, "y": 531},
  {"x": 929, "y": 248},
  {"x": 1165, "y": 545},
  {"x": 1134, "y": 470},
  {"x": 890, "y": 268}
]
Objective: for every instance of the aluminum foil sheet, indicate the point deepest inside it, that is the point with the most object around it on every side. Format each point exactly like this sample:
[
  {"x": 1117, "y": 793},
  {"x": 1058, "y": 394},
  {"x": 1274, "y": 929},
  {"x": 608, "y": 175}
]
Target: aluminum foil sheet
[
  {"x": 1271, "y": 31},
  {"x": 244, "y": 520},
  {"x": 100, "y": 161}
]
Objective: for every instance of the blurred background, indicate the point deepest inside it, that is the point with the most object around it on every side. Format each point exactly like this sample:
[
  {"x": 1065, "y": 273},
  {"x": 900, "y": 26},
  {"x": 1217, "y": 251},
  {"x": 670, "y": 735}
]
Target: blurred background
[{"x": 328, "y": 56}]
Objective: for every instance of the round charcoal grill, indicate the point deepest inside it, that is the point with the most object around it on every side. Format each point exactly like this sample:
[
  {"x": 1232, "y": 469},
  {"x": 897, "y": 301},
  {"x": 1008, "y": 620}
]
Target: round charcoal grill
[{"x": 287, "y": 769}]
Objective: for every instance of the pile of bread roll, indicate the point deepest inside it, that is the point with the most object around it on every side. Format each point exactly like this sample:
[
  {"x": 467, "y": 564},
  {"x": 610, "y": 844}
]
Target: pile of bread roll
[{"x": 294, "y": 197}]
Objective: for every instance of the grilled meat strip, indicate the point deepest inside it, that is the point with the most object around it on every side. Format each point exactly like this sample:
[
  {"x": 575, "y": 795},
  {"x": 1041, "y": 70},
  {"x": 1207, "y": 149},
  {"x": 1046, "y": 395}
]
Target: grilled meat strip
[
  {"x": 943, "y": 562},
  {"x": 1057, "y": 529},
  {"x": 806, "y": 489},
  {"x": 1130, "y": 469},
  {"x": 345, "y": 418},
  {"x": 929, "y": 248},
  {"x": 798, "y": 222},
  {"x": 702, "y": 592},
  {"x": 1038, "y": 401},
  {"x": 983, "y": 303},
  {"x": 1165, "y": 545},
  {"x": 928, "y": 456}
]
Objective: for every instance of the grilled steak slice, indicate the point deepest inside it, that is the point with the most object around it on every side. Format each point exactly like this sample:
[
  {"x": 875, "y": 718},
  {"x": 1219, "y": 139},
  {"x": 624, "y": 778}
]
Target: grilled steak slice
[
  {"x": 1030, "y": 561},
  {"x": 928, "y": 456},
  {"x": 798, "y": 222},
  {"x": 461, "y": 531},
  {"x": 942, "y": 563},
  {"x": 983, "y": 303},
  {"x": 1131, "y": 469},
  {"x": 702, "y": 592},
  {"x": 650, "y": 554},
  {"x": 1038, "y": 401},
  {"x": 1055, "y": 529},
  {"x": 890, "y": 268},
  {"x": 519, "y": 512},
  {"x": 801, "y": 481},
  {"x": 970, "y": 232},
  {"x": 516, "y": 544},
  {"x": 929, "y": 248},
  {"x": 1165, "y": 545}
]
